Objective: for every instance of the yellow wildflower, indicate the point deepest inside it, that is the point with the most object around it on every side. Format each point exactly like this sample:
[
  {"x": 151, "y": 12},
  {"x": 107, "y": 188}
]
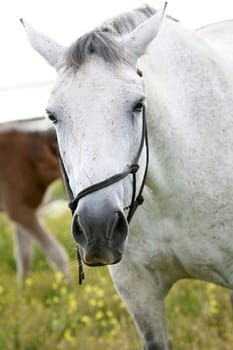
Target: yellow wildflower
[
  {"x": 86, "y": 319},
  {"x": 213, "y": 306},
  {"x": 99, "y": 315},
  {"x": 72, "y": 305},
  {"x": 55, "y": 286},
  {"x": 58, "y": 277},
  {"x": 68, "y": 336},
  {"x": 109, "y": 313},
  {"x": 88, "y": 288},
  {"x": 28, "y": 282},
  {"x": 63, "y": 291},
  {"x": 92, "y": 302},
  {"x": 100, "y": 303},
  {"x": 55, "y": 300},
  {"x": 100, "y": 293}
]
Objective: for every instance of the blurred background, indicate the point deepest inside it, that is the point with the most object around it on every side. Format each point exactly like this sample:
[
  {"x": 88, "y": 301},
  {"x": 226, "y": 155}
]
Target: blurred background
[
  {"x": 25, "y": 79},
  {"x": 50, "y": 312}
]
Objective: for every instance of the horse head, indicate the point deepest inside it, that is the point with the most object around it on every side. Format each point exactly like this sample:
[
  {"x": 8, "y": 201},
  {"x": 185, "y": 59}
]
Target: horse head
[{"x": 97, "y": 106}]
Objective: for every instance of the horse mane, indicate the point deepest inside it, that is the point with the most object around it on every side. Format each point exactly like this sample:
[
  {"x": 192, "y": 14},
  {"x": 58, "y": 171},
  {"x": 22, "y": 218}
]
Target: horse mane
[{"x": 103, "y": 42}]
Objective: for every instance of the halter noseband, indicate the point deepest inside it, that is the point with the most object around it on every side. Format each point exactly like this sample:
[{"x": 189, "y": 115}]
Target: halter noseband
[{"x": 132, "y": 169}]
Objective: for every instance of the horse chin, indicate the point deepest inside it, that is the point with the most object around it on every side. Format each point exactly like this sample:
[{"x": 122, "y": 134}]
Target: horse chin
[
  {"x": 94, "y": 260},
  {"x": 99, "y": 264}
]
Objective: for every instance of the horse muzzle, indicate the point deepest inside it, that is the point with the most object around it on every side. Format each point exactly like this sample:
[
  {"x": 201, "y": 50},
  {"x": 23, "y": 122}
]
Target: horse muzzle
[{"x": 100, "y": 232}]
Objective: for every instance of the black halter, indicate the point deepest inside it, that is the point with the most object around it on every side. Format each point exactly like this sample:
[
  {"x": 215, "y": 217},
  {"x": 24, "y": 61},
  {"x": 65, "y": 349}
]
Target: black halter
[{"x": 132, "y": 169}]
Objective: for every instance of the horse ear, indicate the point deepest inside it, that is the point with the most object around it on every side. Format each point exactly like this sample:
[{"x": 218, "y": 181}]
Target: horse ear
[
  {"x": 143, "y": 34},
  {"x": 51, "y": 51}
]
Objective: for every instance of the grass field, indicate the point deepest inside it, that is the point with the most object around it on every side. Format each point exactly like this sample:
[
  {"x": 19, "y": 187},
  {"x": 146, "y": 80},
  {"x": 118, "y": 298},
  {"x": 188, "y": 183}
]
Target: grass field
[{"x": 50, "y": 313}]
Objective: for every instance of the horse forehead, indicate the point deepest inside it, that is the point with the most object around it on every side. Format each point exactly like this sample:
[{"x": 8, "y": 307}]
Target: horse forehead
[{"x": 101, "y": 80}]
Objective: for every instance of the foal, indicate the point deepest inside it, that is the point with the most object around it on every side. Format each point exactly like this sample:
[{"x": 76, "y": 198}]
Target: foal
[{"x": 29, "y": 164}]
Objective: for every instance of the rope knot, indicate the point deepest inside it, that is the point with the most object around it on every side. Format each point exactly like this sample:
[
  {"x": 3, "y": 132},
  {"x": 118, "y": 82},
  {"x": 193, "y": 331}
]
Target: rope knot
[
  {"x": 140, "y": 200},
  {"x": 134, "y": 168}
]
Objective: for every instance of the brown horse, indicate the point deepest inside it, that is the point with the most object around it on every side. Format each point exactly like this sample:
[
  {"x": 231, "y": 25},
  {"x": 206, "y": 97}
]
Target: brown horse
[{"x": 29, "y": 164}]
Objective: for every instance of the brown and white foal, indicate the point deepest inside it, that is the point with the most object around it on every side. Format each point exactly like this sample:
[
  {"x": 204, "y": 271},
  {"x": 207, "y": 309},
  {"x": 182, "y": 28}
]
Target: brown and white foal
[{"x": 29, "y": 164}]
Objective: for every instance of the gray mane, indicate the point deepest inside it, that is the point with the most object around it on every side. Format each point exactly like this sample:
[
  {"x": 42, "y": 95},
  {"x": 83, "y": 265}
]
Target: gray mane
[{"x": 103, "y": 40}]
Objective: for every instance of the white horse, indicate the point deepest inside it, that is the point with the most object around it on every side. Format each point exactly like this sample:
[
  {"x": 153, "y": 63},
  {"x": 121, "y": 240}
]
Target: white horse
[{"x": 99, "y": 106}]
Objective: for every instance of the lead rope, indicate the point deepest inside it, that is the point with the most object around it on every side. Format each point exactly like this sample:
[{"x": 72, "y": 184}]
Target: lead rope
[
  {"x": 69, "y": 192},
  {"x": 81, "y": 275}
]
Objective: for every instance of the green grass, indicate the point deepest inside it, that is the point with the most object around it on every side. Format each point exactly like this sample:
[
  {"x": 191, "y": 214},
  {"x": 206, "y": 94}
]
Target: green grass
[{"x": 52, "y": 313}]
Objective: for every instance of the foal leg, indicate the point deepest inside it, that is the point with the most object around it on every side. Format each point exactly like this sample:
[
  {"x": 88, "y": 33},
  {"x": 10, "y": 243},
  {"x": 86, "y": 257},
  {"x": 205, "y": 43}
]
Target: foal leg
[
  {"x": 53, "y": 250},
  {"x": 23, "y": 253},
  {"x": 27, "y": 219},
  {"x": 143, "y": 295}
]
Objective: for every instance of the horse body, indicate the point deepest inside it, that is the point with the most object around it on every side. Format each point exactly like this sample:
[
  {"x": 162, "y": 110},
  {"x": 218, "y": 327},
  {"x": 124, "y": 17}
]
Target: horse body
[
  {"x": 29, "y": 164},
  {"x": 184, "y": 227}
]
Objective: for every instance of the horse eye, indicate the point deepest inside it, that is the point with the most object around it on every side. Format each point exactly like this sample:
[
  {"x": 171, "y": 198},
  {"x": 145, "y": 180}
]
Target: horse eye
[
  {"x": 52, "y": 118},
  {"x": 138, "y": 107}
]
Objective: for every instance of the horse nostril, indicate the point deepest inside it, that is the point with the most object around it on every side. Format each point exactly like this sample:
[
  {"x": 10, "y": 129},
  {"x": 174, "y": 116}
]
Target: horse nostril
[
  {"x": 78, "y": 230},
  {"x": 119, "y": 226}
]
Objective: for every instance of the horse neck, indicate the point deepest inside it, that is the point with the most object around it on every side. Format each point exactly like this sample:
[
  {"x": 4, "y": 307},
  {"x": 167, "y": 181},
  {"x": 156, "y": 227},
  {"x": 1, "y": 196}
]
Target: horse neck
[
  {"x": 183, "y": 78},
  {"x": 170, "y": 70},
  {"x": 182, "y": 75},
  {"x": 176, "y": 58}
]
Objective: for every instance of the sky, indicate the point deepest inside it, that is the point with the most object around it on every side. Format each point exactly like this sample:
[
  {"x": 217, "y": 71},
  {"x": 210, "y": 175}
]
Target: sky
[{"x": 26, "y": 79}]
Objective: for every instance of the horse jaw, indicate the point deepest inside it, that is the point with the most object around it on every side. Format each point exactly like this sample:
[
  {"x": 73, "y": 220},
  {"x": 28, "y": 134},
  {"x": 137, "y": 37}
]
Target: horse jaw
[
  {"x": 52, "y": 52},
  {"x": 143, "y": 34}
]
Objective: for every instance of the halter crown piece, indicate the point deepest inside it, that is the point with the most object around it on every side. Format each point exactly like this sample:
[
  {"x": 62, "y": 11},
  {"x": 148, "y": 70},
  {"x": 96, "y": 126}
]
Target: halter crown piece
[{"x": 132, "y": 169}]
